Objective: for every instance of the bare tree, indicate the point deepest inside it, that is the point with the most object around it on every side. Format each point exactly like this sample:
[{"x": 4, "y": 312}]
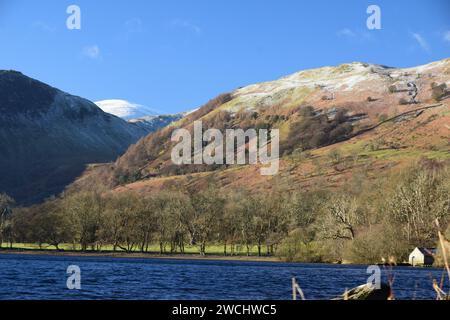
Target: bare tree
[
  {"x": 418, "y": 201},
  {"x": 342, "y": 217},
  {"x": 207, "y": 209},
  {"x": 86, "y": 213},
  {"x": 6, "y": 203}
]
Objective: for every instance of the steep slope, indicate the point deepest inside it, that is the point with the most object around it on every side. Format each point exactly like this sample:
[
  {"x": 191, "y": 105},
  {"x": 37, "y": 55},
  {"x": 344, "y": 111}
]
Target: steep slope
[
  {"x": 154, "y": 123},
  {"x": 48, "y": 136},
  {"x": 373, "y": 117}
]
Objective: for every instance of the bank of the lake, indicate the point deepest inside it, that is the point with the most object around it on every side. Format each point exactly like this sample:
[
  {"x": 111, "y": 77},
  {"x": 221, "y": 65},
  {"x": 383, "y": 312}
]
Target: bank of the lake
[{"x": 138, "y": 255}]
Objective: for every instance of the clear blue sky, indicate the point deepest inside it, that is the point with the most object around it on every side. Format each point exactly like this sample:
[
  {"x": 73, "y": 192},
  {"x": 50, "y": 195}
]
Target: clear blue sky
[{"x": 175, "y": 55}]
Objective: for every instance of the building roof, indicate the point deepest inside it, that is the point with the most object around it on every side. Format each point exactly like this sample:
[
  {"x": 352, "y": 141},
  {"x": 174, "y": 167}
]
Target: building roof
[{"x": 427, "y": 251}]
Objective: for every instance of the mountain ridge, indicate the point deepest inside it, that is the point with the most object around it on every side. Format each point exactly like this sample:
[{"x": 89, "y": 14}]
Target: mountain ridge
[
  {"x": 47, "y": 136},
  {"x": 363, "y": 95}
]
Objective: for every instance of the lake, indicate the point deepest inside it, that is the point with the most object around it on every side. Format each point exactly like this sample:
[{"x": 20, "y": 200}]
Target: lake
[{"x": 45, "y": 277}]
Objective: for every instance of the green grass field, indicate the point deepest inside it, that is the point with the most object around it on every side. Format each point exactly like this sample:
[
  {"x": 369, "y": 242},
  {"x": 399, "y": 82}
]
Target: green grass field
[{"x": 154, "y": 248}]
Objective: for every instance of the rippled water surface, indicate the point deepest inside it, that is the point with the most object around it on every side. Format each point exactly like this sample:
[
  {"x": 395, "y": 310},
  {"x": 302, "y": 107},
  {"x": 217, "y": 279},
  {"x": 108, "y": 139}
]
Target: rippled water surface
[{"x": 44, "y": 277}]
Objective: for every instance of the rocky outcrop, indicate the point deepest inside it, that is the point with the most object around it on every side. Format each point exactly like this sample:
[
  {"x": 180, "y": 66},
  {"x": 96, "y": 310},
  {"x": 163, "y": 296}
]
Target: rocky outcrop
[{"x": 367, "y": 292}]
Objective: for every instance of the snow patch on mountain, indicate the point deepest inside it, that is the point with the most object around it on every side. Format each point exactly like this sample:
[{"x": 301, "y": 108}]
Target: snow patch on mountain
[
  {"x": 332, "y": 83},
  {"x": 125, "y": 109}
]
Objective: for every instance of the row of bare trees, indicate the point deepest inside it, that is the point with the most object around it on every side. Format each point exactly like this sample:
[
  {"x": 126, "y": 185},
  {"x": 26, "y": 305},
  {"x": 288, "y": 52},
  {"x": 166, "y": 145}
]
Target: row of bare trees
[
  {"x": 366, "y": 220},
  {"x": 129, "y": 222}
]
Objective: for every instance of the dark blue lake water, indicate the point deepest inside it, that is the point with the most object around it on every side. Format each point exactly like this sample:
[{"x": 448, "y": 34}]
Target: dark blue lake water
[{"x": 44, "y": 277}]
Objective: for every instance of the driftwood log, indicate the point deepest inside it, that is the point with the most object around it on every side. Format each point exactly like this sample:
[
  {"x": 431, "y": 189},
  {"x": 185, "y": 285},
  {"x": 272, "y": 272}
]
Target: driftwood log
[{"x": 367, "y": 292}]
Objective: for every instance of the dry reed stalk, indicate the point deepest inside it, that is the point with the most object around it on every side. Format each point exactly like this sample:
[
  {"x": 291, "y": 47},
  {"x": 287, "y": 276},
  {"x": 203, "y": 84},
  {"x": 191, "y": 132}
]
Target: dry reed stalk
[
  {"x": 296, "y": 288},
  {"x": 444, "y": 251},
  {"x": 441, "y": 295}
]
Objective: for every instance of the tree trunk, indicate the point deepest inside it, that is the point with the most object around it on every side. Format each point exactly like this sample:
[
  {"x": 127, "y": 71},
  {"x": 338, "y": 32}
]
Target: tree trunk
[
  {"x": 181, "y": 246},
  {"x": 203, "y": 249}
]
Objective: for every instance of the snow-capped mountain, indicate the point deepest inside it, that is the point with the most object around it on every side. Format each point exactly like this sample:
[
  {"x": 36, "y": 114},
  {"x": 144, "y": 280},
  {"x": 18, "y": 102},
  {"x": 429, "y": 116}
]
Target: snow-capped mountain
[
  {"x": 125, "y": 109},
  {"x": 140, "y": 115}
]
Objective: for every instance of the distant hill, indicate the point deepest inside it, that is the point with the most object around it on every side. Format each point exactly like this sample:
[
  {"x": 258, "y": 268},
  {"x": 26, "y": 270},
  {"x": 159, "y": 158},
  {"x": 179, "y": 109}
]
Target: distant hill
[
  {"x": 144, "y": 117},
  {"x": 154, "y": 123},
  {"x": 47, "y": 137},
  {"x": 334, "y": 122},
  {"x": 125, "y": 109}
]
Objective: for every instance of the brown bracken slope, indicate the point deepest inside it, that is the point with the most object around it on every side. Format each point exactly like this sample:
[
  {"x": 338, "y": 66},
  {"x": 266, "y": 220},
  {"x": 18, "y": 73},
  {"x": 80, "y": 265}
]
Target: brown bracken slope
[{"x": 335, "y": 123}]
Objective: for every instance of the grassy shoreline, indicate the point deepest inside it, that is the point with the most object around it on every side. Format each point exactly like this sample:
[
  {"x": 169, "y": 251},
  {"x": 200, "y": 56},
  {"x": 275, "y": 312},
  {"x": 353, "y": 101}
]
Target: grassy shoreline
[
  {"x": 169, "y": 256},
  {"x": 136, "y": 254},
  {"x": 213, "y": 252}
]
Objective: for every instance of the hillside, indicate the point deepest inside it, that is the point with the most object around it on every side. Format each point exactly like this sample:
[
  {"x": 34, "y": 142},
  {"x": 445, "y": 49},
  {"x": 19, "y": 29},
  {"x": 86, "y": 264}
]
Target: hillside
[
  {"x": 47, "y": 137},
  {"x": 366, "y": 94},
  {"x": 364, "y": 173},
  {"x": 334, "y": 121}
]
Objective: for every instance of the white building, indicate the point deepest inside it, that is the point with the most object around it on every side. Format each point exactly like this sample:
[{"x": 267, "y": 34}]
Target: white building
[{"x": 422, "y": 257}]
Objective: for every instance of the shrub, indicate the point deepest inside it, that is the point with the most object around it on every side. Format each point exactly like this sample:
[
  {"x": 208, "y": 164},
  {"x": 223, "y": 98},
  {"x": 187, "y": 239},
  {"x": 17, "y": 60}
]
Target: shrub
[
  {"x": 392, "y": 89},
  {"x": 381, "y": 243},
  {"x": 314, "y": 131},
  {"x": 382, "y": 117},
  {"x": 335, "y": 156},
  {"x": 403, "y": 101},
  {"x": 340, "y": 133},
  {"x": 438, "y": 92},
  {"x": 295, "y": 248}
]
